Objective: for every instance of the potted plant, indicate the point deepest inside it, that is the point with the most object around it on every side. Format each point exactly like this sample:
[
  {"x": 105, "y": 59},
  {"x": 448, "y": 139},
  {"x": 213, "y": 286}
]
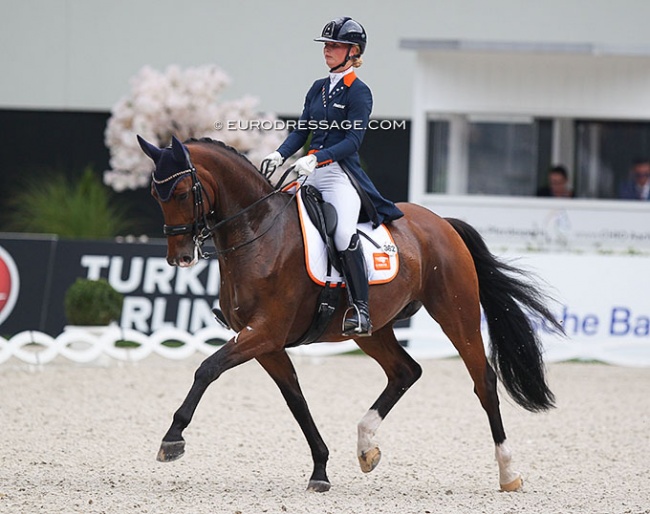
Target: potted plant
[{"x": 92, "y": 303}]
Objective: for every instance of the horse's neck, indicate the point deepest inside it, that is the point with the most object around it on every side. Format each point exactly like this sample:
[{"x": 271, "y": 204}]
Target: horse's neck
[
  {"x": 239, "y": 185},
  {"x": 241, "y": 202}
]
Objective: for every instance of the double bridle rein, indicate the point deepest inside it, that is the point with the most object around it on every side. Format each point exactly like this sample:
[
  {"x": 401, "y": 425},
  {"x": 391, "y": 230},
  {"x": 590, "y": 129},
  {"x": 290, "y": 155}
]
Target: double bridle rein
[{"x": 200, "y": 227}]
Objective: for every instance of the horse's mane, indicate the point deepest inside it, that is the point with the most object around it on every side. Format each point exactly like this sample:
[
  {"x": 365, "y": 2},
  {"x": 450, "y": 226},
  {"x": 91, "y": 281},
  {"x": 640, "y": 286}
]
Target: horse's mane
[
  {"x": 268, "y": 177},
  {"x": 222, "y": 145}
]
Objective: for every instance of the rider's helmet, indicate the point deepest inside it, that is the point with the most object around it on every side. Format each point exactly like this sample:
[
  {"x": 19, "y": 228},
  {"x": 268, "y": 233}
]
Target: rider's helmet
[{"x": 344, "y": 30}]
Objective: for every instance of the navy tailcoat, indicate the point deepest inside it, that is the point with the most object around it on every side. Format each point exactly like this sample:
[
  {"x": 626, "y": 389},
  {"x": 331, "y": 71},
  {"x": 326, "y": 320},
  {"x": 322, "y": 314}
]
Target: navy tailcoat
[{"x": 338, "y": 120}]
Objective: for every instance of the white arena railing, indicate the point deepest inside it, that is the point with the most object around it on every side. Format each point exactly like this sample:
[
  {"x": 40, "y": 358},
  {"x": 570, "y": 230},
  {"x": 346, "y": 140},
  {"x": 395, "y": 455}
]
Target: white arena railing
[
  {"x": 91, "y": 344},
  {"x": 85, "y": 345},
  {"x": 82, "y": 345}
]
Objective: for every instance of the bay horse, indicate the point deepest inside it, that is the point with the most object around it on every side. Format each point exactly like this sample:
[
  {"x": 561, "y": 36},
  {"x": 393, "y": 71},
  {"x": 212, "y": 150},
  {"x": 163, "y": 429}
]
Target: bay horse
[{"x": 209, "y": 190}]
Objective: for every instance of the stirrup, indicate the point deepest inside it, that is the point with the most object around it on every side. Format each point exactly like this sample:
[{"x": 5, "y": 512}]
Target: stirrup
[{"x": 357, "y": 330}]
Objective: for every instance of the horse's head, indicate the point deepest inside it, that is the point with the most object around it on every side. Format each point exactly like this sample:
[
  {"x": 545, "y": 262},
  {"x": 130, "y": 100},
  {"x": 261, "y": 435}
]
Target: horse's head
[{"x": 184, "y": 203}]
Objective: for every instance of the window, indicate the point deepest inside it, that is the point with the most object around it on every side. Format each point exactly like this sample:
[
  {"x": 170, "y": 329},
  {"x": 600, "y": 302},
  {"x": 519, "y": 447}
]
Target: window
[
  {"x": 437, "y": 155},
  {"x": 502, "y": 158},
  {"x": 470, "y": 155},
  {"x": 605, "y": 153}
]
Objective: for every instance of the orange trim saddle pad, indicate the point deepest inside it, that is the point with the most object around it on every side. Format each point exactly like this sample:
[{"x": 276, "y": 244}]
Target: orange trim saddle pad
[{"x": 382, "y": 262}]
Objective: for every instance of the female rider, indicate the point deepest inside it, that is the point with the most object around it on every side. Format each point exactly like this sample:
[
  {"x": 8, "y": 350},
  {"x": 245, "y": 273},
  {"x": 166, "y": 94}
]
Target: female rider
[{"x": 336, "y": 112}]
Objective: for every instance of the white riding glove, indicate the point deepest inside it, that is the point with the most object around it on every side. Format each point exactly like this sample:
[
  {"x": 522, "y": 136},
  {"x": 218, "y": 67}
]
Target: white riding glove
[
  {"x": 306, "y": 165},
  {"x": 275, "y": 159}
]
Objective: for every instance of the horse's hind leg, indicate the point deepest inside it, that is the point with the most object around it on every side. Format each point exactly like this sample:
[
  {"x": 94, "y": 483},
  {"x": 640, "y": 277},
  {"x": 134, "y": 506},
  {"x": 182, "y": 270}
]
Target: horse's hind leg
[
  {"x": 462, "y": 326},
  {"x": 402, "y": 372},
  {"x": 279, "y": 367}
]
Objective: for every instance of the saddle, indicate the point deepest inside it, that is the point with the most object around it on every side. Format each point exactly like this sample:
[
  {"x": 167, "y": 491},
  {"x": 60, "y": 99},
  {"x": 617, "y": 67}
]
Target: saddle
[
  {"x": 319, "y": 220},
  {"x": 323, "y": 215}
]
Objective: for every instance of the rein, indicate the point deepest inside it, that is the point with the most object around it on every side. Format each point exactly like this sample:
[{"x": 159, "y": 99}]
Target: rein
[
  {"x": 200, "y": 228},
  {"x": 207, "y": 231}
]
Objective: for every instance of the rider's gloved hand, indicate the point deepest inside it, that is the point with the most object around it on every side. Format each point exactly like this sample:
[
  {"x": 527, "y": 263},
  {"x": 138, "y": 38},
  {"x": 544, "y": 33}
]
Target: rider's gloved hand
[
  {"x": 275, "y": 159},
  {"x": 306, "y": 165}
]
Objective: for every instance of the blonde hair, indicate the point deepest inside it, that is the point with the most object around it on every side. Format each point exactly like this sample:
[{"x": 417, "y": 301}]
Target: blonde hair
[{"x": 357, "y": 60}]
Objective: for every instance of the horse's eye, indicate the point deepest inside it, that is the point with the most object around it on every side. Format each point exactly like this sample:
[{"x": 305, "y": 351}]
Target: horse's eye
[{"x": 182, "y": 196}]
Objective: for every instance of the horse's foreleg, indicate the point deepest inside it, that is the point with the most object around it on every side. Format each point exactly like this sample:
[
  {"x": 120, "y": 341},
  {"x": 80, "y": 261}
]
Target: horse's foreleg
[
  {"x": 279, "y": 367},
  {"x": 402, "y": 372},
  {"x": 238, "y": 350}
]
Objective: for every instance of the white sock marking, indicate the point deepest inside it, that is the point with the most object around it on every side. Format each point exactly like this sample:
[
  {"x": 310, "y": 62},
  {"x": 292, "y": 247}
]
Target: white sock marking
[
  {"x": 504, "y": 458},
  {"x": 366, "y": 430}
]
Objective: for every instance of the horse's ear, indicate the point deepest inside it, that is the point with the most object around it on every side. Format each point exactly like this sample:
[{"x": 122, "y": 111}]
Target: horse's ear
[
  {"x": 179, "y": 151},
  {"x": 151, "y": 150}
]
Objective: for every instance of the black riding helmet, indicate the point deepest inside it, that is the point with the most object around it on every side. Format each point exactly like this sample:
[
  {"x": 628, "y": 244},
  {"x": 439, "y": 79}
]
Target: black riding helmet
[{"x": 344, "y": 30}]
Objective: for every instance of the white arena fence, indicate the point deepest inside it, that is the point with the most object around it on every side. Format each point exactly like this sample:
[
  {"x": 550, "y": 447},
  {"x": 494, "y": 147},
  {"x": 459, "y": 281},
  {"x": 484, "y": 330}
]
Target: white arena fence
[{"x": 83, "y": 346}]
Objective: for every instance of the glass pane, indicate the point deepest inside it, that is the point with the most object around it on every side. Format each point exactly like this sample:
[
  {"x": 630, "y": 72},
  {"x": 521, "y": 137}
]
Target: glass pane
[
  {"x": 605, "y": 153},
  {"x": 502, "y": 158},
  {"x": 544, "y": 129},
  {"x": 437, "y": 155}
]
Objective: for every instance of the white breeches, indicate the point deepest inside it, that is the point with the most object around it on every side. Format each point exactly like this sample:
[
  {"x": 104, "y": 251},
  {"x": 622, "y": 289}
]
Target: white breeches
[{"x": 336, "y": 188}]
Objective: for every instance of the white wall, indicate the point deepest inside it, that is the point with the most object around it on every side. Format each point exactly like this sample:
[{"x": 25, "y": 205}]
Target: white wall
[
  {"x": 537, "y": 84},
  {"x": 80, "y": 54}
]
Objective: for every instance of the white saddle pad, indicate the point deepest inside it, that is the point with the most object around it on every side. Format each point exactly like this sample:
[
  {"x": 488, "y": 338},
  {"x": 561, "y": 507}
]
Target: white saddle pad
[{"x": 382, "y": 261}]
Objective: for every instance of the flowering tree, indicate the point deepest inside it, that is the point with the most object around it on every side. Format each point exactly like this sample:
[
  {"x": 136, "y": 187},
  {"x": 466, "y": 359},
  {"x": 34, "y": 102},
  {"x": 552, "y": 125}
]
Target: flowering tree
[{"x": 184, "y": 103}]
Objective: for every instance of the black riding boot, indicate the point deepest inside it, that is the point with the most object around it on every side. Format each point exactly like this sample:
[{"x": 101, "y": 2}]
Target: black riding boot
[{"x": 357, "y": 318}]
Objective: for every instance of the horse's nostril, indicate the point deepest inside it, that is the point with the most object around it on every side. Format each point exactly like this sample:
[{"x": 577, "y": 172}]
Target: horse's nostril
[{"x": 186, "y": 259}]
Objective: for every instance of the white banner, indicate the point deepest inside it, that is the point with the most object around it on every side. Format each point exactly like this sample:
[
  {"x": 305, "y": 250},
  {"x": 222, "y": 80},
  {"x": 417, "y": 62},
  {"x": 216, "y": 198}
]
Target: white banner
[
  {"x": 602, "y": 303},
  {"x": 550, "y": 224}
]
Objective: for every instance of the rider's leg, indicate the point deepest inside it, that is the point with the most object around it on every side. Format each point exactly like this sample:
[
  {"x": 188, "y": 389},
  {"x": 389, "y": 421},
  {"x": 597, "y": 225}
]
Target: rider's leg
[
  {"x": 357, "y": 318},
  {"x": 336, "y": 188}
]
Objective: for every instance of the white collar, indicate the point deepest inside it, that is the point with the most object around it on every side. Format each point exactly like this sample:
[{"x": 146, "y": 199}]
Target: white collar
[{"x": 335, "y": 77}]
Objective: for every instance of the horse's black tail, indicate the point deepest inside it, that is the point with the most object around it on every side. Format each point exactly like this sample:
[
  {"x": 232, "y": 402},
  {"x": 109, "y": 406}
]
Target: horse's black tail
[{"x": 515, "y": 348}]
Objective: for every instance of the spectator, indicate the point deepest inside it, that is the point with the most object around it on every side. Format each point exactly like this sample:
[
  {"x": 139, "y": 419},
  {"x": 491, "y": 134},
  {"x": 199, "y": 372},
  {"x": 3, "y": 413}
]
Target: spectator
[
  {"x": 638, "y": 187},
  {"x": 558, "y": 184}
]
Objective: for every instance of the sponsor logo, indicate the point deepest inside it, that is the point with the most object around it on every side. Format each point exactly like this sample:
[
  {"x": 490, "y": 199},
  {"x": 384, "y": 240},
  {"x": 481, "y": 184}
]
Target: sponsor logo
[
  {"x": 381, "y": 261},
  {"x": 9, "y": 284}
]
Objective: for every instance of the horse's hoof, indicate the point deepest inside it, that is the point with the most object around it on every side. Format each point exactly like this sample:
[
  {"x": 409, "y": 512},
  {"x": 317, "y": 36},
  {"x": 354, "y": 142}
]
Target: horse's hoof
[
  {"x": 369, "y": 460},
  {"x": 318, "y": 486},
  {"x": 515, "y": 485},
  {"x": 170, "y": 451}
]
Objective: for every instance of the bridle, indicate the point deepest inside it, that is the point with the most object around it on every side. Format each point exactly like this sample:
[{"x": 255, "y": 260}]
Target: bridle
[{"x": 200, "y": 228}]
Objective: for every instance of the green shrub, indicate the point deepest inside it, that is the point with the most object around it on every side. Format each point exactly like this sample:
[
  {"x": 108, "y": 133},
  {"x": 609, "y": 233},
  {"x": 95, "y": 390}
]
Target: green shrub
[
  {"x": 83, "y": 209},
  {"x": 92, "y": 302}
]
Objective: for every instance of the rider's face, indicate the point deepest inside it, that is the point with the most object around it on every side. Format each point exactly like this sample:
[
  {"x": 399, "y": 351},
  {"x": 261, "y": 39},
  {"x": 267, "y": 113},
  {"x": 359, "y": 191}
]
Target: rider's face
[{"x": 334, "y": 54}]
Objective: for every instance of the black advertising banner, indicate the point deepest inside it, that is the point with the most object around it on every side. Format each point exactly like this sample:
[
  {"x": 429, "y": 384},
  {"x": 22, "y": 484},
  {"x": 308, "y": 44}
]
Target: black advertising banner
[
  {"x": 156, "y": 295},
  {"x": 25, "y": 282}
]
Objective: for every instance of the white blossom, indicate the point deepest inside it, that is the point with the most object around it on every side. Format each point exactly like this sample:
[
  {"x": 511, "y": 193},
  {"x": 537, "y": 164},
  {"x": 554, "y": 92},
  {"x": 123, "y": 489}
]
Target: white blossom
[{"x": 184, "y": 103}]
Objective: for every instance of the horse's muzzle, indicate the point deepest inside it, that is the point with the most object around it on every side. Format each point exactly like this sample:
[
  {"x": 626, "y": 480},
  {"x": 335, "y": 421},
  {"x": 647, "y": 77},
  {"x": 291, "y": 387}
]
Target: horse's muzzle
[{"x": 183, "y": 259}]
